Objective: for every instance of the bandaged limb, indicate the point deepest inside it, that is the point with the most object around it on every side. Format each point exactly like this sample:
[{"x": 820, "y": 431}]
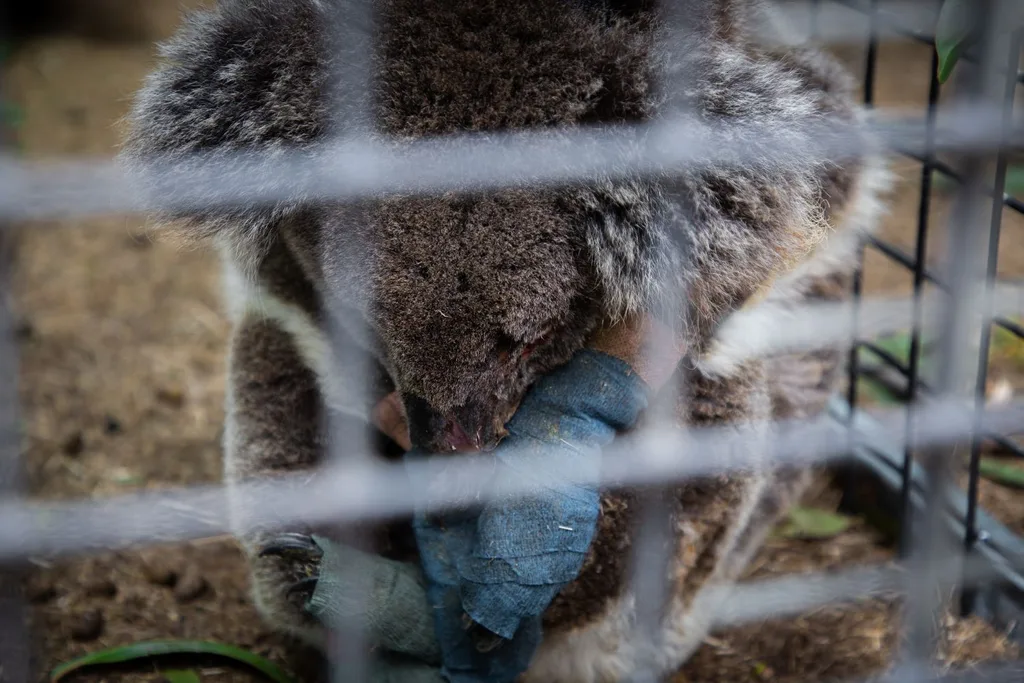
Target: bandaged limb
[
  {"x": 489, "y": 577},
  {"x": 503, "y": 568},
  {"x": 386, "y": 595}
]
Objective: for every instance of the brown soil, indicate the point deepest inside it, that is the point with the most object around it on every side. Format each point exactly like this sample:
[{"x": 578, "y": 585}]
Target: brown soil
[{"x": 122, "y": 383}]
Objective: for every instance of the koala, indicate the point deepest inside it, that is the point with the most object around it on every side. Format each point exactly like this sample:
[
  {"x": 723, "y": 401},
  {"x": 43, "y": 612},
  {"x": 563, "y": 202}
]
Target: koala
[{"x": 462, "y": 299}]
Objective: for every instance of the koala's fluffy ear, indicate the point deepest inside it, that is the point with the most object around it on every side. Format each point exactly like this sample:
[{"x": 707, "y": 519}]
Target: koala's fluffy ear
[{"x": 242, "y": 77}]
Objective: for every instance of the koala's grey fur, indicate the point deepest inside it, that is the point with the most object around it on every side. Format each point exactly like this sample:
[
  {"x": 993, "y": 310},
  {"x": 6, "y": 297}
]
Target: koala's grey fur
[{"x": 454, "y": 287}]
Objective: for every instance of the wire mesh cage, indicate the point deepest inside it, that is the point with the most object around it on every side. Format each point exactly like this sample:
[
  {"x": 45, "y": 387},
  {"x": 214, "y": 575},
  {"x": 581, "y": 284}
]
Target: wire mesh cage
[
  {"x": 971, "y": 525},
  {"x": 901, "y": 462}
]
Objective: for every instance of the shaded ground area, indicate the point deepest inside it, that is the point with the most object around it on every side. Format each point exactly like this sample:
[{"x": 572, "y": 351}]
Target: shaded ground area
[{"x": 122, "y": 383}]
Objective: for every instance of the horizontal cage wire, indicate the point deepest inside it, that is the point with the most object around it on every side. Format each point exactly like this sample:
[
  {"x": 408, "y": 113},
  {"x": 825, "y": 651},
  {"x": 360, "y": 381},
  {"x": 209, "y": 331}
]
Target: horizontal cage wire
[{"x": 907, "y": 449}]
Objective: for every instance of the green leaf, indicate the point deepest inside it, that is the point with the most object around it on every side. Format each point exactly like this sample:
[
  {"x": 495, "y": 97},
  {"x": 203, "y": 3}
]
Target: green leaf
[
  {"x": 176, "y": 676},
  {"x": 952, "y": 33},
  {"x": 1001, "y": 473},
  {"x": 814, "y": 523},
  {"x": 157, "y": 648}
]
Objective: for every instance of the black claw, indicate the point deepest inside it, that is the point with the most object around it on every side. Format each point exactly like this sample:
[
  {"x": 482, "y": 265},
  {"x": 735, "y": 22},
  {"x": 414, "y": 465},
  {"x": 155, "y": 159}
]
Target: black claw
[
  {"x": 307, "y": 585},
  {"x": 291, "y": 542}
]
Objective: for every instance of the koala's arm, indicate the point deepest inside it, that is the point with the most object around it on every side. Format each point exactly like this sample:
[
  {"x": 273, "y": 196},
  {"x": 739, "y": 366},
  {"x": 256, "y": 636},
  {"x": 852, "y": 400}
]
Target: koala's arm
[
  {"x": 274, "y": 405},
  {"x": 272, "y": 427}
]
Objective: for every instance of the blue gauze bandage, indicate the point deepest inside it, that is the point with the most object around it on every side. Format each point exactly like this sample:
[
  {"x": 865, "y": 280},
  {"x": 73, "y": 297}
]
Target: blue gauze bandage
[{"x": 502, "y": 568}]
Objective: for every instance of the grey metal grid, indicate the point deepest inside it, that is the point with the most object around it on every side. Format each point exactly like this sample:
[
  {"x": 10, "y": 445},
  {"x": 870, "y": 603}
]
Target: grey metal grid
[{"x": 977, "y": 129}]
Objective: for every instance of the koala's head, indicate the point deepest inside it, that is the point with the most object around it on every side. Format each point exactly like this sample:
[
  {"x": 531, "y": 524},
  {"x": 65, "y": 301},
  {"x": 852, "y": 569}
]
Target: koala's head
[{"x": 471, "y": 298}]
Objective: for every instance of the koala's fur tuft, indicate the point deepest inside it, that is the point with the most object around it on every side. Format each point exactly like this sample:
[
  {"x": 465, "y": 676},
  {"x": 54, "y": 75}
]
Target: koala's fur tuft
[{"x": 467, "y": 297}]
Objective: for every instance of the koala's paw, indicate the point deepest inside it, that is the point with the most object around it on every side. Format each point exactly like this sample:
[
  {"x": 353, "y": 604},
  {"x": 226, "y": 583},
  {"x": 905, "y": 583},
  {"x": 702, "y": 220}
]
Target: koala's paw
[
  {"x": 303, "y": 551},
  {"x": 285, "y": 570}
]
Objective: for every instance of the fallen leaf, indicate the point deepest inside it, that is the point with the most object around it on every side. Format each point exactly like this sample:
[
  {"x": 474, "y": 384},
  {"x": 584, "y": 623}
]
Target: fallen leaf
[
  {"x": 814, "y": 523},
  {"x": 1002, "y": 473}
]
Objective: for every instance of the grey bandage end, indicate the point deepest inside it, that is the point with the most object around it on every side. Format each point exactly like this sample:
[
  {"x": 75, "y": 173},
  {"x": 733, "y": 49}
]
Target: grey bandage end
[{"x": 386, "y": 594}]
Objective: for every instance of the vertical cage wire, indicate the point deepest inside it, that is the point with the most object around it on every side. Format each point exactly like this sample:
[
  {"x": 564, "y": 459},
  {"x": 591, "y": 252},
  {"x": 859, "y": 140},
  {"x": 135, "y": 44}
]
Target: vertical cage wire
[
  {"x": 652, "y": 549},
  {"x": 350, "y": 108}
]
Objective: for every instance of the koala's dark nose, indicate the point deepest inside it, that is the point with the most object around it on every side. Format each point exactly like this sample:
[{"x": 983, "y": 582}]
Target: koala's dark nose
[{"x": 467, "y": 428}]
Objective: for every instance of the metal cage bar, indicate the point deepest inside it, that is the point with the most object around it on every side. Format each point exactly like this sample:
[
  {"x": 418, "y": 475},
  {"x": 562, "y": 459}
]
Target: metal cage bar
[{"x": 351, "y": 117}]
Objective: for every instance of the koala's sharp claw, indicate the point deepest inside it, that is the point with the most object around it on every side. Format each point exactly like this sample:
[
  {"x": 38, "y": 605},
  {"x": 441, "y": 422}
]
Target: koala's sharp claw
[
  {"x": 307, "y": 585},
  {"x": 291, "y": 542},
  {"x": 301, "y": 557}
]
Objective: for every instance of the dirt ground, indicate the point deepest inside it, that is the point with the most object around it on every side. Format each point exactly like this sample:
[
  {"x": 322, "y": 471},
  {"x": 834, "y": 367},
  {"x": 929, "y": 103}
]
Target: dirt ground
[{"x": 122, "y": 383}]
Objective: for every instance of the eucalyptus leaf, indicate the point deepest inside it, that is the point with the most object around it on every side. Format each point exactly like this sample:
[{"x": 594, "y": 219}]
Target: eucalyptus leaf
[{"x": 952, "y": 35}]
